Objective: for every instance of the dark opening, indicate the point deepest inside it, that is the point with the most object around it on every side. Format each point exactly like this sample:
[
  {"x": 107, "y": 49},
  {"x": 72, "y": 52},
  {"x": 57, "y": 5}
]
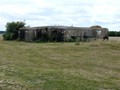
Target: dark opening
[
  {"x": 57, "y": 35},
  {"x": 21, "y": 34}
]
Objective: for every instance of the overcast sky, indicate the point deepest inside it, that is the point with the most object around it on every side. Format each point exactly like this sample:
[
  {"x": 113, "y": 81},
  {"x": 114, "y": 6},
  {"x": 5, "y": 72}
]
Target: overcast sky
[{"x": 82, "y": 13}]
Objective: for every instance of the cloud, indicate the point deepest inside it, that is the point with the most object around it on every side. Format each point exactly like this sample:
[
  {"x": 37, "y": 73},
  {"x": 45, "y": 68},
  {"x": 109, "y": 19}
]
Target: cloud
[{"x": 61, "y": 12}]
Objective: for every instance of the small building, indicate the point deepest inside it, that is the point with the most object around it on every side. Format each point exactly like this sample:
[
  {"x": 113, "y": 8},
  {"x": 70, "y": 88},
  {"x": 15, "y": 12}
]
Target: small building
[{"x": 62, "y": 33}]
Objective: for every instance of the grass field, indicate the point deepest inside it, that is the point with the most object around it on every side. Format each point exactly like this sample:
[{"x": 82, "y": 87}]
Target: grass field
[{"x": 60, "y": 66}]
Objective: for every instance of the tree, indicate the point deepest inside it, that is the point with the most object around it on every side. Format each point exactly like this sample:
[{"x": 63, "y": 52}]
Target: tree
[{"x": 12, "y": 29}]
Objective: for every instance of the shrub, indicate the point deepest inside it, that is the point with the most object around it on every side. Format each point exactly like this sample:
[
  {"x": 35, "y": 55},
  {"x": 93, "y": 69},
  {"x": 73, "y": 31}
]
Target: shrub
[
  {"x": 12, "y": 29},
  {"x": 8, "y": 36},
  {"x": 77, "y": 41},
  {"x": 69, "y": 40}
]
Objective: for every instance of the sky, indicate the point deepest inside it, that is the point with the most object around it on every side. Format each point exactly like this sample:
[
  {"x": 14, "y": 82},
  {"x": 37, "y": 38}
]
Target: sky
[{"x": 81, "y": 13}]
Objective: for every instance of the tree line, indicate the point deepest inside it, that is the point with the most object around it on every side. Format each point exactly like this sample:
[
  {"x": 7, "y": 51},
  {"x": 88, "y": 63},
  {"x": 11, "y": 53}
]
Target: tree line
[{"x": 114, "y": 33}]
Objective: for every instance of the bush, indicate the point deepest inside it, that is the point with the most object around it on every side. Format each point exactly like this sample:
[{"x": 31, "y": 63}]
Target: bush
[
  {"x": 8, "y": 36},
  {"x": 77, "y": 41},
  {"x": 12, "y": 29},
  {"x": 69, "y": 40}
]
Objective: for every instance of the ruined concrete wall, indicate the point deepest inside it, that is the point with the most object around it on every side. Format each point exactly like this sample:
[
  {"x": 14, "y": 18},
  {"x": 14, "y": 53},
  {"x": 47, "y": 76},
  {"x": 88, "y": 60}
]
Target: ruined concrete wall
[
  {"x": 27, "y": 34},
  {"x": 51, "y": 33},
  {"x": 80, "y": 33},
  {"x": 101, "y": 32}
]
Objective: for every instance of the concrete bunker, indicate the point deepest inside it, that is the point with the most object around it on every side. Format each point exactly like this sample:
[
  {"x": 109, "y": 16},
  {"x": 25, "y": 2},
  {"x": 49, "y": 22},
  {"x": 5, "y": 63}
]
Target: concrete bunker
[{"x": 62, "y": 33}]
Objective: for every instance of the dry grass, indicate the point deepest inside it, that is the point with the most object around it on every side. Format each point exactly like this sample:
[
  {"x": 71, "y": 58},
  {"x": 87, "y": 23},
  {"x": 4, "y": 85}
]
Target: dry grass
[
  {"x": 114, "y": 38},
  {"x": 60, "y": 66}
]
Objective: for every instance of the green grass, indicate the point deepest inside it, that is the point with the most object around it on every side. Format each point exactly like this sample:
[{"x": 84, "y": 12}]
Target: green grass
[{"x": 60, "y": 66}]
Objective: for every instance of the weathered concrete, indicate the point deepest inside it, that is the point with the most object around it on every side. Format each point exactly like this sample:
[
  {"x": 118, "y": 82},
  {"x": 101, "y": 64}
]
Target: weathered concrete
[{"x": 62, "y": 33}]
